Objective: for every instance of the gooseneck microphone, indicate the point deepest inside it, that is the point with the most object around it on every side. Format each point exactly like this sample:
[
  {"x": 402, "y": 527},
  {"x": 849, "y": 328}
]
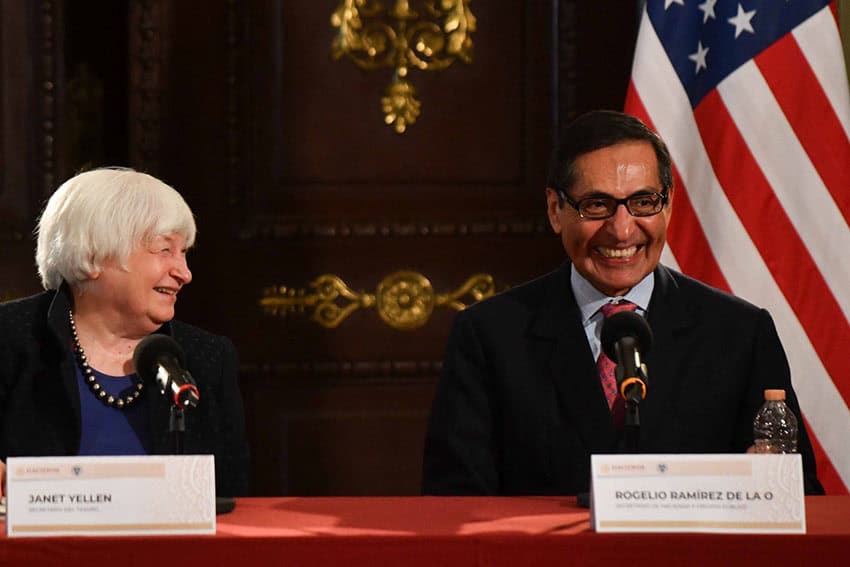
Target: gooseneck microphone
[
  {"x": 159, "y": 359},
  {"x": 626, "y": 338}
]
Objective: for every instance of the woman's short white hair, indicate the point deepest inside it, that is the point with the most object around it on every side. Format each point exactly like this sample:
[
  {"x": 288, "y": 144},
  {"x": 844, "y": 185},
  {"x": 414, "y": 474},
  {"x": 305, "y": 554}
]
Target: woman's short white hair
[{"x": 101, "y": 215}]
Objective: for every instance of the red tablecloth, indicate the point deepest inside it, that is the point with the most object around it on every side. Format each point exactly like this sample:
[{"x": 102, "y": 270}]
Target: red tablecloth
[{"x": 407, "y": 532}]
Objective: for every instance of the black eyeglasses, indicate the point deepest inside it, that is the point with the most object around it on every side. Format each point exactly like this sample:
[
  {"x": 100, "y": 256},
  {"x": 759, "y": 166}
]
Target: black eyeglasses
[{"x": 601, "y": 207}]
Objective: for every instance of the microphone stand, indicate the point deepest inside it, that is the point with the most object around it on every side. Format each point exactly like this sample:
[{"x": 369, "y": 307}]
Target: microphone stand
[
  {"x": 631, "y": 422},
  {"x": 177, "y": 418},
  {"x": 177, "y": 428},
  {"x": 631, "y": 427}
]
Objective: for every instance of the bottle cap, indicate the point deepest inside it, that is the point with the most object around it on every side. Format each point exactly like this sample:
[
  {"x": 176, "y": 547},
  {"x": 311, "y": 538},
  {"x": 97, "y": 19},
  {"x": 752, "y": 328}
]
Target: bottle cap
[{"x": 774, "y": 395}]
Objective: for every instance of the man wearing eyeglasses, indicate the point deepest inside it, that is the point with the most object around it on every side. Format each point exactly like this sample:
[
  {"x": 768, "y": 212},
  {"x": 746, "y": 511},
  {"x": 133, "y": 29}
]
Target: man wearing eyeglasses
[{"x": 520, "y": 406}]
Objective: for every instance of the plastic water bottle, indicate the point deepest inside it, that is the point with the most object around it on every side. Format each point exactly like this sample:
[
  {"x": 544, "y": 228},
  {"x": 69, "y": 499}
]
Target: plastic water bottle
[{"x": 775, "y": 425}]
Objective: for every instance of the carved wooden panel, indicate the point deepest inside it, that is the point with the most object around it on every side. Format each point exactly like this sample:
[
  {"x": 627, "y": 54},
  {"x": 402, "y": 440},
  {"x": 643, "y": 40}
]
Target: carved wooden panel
[
  {"x": 150, "y": 54},
  {"x": 30, "y": 84}
]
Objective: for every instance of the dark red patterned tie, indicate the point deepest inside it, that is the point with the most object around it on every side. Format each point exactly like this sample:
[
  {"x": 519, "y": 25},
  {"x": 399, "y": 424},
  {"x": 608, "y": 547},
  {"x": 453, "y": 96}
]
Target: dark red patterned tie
[{"x": 606, "y": 367}]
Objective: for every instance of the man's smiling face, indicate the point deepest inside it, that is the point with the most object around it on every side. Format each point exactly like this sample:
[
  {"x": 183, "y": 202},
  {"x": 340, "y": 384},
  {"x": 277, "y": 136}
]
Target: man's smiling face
[{"x": 616, "y": 253}]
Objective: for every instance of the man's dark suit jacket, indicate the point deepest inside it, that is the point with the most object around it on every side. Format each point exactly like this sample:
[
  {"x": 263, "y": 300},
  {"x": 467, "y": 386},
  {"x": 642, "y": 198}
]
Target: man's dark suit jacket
[
  {"x": 519, "y": 408},
  {"x": 40, "y": 403}
]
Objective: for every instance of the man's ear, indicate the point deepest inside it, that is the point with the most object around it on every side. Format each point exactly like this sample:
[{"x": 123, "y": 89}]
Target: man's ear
[{"x": 553, "y": 209}]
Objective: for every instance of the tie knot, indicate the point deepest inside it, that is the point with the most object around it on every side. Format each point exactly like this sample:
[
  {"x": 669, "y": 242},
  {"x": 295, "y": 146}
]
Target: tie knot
[{"x": 610, "y": 308}]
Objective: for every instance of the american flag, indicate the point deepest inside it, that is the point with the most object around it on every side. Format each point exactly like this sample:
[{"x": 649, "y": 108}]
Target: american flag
[{"x": 751, "y": 96}]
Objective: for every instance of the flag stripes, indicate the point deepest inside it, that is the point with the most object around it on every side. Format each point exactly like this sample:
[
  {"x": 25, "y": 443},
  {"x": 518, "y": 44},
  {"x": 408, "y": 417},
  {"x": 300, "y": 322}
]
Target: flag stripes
[
  {"x": 774, "y": 235},
  {"x": 794, "y": 180},
  {"x": 818, "y": 36},
  {"x": 815, "y": 123},
  {"x": 762, "y": 199}
]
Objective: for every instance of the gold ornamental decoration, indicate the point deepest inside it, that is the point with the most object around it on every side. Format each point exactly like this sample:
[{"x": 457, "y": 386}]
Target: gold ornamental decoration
[
  {"x": 374, "y": 35},
  {"x": 404, "y": 300}
]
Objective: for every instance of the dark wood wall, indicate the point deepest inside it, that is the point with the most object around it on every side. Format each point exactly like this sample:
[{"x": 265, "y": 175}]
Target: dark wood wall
[{"x": 282, "y": 153}]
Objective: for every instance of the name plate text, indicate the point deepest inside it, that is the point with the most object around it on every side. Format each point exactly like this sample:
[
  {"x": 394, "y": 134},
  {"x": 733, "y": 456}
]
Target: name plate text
[
  {"x": 698, "y": 493},
  {"x": 144, "y": 495}
]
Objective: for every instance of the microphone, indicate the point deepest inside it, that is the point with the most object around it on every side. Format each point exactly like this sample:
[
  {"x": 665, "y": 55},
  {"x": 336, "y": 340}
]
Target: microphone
[
  {"x": 626, "y": 337},
  {"x": 159, "y": 359}
]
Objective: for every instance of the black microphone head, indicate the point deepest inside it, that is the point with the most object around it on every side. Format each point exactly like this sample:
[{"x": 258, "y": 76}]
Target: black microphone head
[
  {"x": 153, "y": 348},
  {"x": 625, "y": 324}
]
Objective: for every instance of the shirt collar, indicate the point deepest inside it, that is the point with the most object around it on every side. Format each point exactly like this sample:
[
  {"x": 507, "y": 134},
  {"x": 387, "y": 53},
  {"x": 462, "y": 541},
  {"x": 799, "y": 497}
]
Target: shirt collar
[{"x": 590, "y": 299}]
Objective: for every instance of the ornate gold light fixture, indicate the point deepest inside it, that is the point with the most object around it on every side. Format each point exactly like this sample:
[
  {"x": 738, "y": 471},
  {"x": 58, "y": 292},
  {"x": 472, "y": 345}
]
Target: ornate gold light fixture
[
  {"x": 431, "y": 38},
  {"x": 404, "y": 300}
]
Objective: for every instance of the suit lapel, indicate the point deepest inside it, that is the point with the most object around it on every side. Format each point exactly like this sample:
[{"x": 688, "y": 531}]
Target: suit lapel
[
  {"x": 571, "y": 366},
  {"x": 670, "y": 316}
]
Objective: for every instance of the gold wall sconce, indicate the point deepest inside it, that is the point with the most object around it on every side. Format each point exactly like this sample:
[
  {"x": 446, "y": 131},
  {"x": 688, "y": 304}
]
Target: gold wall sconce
[
  {"x": 430, "y": 38},
  {"x": 404, "y": 300}
]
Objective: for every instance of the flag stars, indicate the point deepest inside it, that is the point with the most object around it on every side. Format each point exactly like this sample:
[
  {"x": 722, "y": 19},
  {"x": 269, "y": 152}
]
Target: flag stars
[
  {"x": 668, "y": 3},
  {"x": 707, "y": 9},
  {"x": 699, "y": 57},
  {"x": 742, "y": 21}
]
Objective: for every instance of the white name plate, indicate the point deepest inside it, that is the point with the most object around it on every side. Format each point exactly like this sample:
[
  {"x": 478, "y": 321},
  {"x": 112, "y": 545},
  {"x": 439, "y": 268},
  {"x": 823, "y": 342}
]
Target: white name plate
[
  {"x": 698, "y": 493},
  {"x": 145, "y": 495}
]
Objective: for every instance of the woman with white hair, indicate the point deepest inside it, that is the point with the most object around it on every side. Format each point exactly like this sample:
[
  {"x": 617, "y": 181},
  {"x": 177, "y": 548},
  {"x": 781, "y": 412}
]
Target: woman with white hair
[{"x": 111, "y": 254}]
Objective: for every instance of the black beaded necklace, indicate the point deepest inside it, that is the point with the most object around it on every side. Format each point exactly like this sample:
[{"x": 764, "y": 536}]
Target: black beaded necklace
[{"x": 123, "y": 400}]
